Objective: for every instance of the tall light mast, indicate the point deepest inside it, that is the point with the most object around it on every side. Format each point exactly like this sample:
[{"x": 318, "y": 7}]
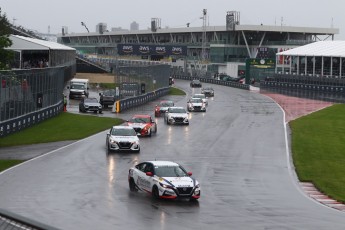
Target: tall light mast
[{"x": 203, "y": 38}]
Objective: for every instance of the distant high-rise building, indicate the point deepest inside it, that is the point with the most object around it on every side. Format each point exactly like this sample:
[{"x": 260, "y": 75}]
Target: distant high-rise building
[
  {"x": 101, "y": 28},
  {"x": 134, "y": 26}
]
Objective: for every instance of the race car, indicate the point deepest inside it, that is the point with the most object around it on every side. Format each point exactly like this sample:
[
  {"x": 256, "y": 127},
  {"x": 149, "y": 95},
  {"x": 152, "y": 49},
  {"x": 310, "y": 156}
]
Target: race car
[
  {"x": 143, "y": 124},
  {"x": 122, "y": 138},
  {"x": 162, "y": 107},
  {"x": 196, "y": 105},
  {"x": 202, "y": 96},
  {"x": 208, "y": 91},
  {"x": 176, "y": 115},
  {"x": 163, "y": 179}
]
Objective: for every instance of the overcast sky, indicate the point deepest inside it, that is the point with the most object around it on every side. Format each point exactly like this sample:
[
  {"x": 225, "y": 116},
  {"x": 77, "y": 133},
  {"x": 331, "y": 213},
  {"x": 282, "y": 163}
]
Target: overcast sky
[{"x": 41, "y": 14}]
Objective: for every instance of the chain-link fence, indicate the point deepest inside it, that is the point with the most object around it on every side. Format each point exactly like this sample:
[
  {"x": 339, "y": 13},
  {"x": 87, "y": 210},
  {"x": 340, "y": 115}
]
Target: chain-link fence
[
  {"x": 25, "y": 93},
  {"x": 135, "y": 80}
]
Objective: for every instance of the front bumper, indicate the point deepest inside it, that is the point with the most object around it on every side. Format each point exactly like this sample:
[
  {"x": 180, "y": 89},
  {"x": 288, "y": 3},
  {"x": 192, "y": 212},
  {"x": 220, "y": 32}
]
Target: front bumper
[
  {"x": 178, "y": 120},
  {"x": 124, "y": 146},
  {"x": 180, "y": 193}
]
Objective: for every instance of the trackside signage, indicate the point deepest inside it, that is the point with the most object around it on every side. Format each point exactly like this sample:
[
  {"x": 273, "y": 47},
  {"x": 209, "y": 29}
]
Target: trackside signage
[{"x": 137, "y": 49}]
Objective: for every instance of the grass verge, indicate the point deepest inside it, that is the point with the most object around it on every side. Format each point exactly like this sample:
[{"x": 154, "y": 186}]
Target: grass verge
[
  {"x": 65, "y": 126},
  {"x": 318, "y": 144},
  {"x": 176, "y": 91}
]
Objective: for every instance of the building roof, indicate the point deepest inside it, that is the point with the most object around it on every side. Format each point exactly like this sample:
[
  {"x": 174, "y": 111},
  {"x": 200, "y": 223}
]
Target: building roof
[
  {"x": 263, "y": 28},
  {"x": 321, "y": 48},
  {"x": 26, "y": 43}
]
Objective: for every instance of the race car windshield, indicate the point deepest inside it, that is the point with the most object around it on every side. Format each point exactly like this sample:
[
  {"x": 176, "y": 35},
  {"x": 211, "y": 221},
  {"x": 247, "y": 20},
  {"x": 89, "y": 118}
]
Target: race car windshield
[
  {"x": 170, "y": 171},
  {"x": 123, "y": 132},
  {"x": 177, "y": 110},
  {"x": 140, "y": 120},
  {"x": 91, "y": 100},
  {"x": 196, "y": 100}
]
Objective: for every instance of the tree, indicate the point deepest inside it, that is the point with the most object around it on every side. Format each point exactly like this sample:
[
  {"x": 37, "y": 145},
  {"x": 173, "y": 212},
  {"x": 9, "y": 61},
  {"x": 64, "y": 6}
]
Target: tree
[{"x": 6, "y": 56}]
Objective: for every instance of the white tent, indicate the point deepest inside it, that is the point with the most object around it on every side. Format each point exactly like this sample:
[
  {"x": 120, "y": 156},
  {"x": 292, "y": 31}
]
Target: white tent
[
  {"x": 318, "y": 49},
  {"x": 25, "y": 43},
  {"x": 318, "y": 58}
]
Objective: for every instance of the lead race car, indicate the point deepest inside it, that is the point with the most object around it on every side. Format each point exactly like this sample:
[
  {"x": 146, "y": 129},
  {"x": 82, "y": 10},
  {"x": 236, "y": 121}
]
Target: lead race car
[{"x": 163, "y": 179}]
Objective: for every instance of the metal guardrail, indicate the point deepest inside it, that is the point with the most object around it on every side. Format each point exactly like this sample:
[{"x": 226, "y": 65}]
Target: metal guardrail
[{"x": 215, "y": 81}]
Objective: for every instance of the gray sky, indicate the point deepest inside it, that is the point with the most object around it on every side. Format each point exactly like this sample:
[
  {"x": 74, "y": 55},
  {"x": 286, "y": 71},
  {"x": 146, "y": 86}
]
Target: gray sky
[{"x": 40, "y": 14}]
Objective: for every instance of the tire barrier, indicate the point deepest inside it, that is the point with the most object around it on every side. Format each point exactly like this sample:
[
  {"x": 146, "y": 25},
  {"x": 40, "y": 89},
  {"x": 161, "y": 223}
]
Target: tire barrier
[
  {"x": 132, "y": 102},
  {"x": 214, "y": 81}
]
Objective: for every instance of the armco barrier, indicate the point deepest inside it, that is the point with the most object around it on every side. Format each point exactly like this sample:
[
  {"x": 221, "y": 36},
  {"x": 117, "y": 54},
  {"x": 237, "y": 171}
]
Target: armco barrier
[
  {"x": 214, "y": 81},
  {"x": 132, "y": 102},
  {"x": 19, "y": 123}
]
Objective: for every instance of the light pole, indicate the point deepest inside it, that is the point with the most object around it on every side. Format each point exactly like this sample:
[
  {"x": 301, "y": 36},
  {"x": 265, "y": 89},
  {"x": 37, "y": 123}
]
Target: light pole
[{"x": 83, "y": 24}]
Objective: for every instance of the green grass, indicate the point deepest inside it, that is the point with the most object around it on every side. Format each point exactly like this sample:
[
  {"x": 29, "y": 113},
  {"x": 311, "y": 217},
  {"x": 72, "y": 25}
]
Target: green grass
[
  {"x": 5, "y": 164},
  {"x": 176, "y": 91},
  {"x": 318, "y": 147},
  {"x": 65, "y": 126}
]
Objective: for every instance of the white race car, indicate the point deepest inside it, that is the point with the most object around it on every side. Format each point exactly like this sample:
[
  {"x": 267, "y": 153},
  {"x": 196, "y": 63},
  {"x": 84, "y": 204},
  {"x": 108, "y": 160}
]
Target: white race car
[
  {"x": 196, "y": 105},
  {"x": 122, "y": 138},
  {"x": 163, "y": 179},
  {"x": 176, "y": 115}
]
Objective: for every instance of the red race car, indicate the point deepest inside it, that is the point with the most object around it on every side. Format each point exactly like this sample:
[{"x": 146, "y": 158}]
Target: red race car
[
  {"x": 143, "y": 125},
  {"x": 162, "y": 107}
]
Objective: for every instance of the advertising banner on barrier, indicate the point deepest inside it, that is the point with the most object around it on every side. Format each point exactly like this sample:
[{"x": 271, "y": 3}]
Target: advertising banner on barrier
[{"x": 164, "y": 50}]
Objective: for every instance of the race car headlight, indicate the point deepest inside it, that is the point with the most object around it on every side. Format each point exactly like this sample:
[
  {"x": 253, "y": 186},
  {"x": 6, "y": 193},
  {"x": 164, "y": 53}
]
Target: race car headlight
[
  {"x": 165, "y": 186},
  {"x": 99, "y": 106},
  {"x": 112, "y": 141},
  {"x": 86, "y": 106}
]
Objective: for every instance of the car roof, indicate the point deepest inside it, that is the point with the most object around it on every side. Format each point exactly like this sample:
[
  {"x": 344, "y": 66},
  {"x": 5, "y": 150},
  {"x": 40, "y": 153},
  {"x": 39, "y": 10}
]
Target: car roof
[{"x": 163, "y": 163}]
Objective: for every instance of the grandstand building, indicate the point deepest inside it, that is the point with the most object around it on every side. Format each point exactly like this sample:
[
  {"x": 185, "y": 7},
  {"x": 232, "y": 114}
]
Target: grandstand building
[{"x": 210, "y": 49}]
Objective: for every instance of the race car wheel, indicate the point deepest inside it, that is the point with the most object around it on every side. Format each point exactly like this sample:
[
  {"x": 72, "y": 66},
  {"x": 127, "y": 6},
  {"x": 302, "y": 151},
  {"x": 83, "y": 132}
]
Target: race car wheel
[
  {"x": 132, "y": 186},
  {"x": 150, "y": 133},
  {"x": 155, "y": 192}
]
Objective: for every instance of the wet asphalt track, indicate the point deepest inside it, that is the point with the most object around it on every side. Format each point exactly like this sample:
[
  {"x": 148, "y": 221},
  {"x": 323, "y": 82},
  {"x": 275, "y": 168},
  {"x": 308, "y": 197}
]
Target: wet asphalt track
[{"x": 237, "y": 150}]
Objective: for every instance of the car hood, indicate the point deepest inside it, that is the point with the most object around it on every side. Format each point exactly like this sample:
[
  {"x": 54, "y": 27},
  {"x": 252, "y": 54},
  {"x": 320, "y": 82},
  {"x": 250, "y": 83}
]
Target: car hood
[
  {"x": 125, "y": 138},
  {"x": 180, "y": 181},
  {"x": 196, "y": 104},
  {"x": 92, "y": 104},
  {"x": 178, "y": 115},
  {"x": 137, "y": 125}
]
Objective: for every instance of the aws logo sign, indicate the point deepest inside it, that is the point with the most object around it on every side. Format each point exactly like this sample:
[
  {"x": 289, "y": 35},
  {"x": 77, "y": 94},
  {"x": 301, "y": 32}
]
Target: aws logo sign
[
  {"x": 176, "y": 50},
  {"x": 127, "y": 49},
  {"x": 144, "y": 49},
  {"x": 160, "y": 50}
]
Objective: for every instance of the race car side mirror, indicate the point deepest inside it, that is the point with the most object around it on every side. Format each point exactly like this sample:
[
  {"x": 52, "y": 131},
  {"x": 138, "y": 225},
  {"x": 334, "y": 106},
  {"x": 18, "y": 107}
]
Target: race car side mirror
[
  {"x": 190, "y": 173},
  {"x": 149, "y": 174}
]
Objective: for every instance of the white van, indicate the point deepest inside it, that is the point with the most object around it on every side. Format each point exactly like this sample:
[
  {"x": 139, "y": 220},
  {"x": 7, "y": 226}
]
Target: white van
[{"x": 78, "y": 88}]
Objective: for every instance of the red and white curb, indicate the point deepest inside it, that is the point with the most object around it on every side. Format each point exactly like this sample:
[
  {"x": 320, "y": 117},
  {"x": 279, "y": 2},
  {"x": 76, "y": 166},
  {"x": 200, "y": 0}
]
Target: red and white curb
[{"x": 314, "y": 193}]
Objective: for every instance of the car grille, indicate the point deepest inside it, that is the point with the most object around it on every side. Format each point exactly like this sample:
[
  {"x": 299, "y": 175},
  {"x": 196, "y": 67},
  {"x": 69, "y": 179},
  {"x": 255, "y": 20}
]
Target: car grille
[
  {"x": 178, "y": 119},
  {"x": 185, "y": 190},
  {"x": 197, "y": 108},
  {"x": 93, "y": 107},
  {"x": 125, "y": 145}
]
